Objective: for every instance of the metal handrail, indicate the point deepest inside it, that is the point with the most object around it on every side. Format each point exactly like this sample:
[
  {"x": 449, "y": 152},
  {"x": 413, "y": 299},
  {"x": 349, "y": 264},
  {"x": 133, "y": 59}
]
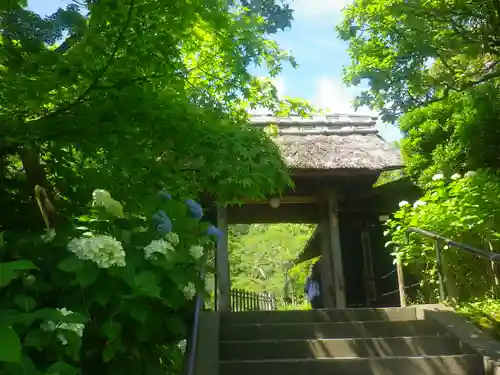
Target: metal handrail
[
  {"x": 493, "y": 257},
  {"x": 192, "y": 343}
]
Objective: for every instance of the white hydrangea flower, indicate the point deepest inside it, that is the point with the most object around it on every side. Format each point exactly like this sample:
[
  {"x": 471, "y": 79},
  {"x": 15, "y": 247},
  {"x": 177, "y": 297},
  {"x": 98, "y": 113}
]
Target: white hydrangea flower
[
  {"x": 62, "y": 338},
  {"x": 51, "y": 326},
  {"x": 196, "y": 251},
  {"x": 103, "y": 250},
  {"x": 437, "y": 177},
  {"x": 182, "y": 345},
  {"x": 470, "y": 174},
  {"x": 189, "y": 291},
  {"x": 49, "y": 235},
  {"x": 157, "y": 246},
  {"x": 173, "y": 238},
  {"x": 48, "y": 326},
  {"x": 456, "y": 176},
  {"x": 419, "y": 203},
  {"x": 64, "y": 311},
  {"x": 102, "y": 198},
  {"x": 403, "y": 203}
]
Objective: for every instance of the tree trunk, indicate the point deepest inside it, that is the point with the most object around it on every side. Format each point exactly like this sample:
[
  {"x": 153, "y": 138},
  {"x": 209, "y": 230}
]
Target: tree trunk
[{"x": 36, "y": 179}]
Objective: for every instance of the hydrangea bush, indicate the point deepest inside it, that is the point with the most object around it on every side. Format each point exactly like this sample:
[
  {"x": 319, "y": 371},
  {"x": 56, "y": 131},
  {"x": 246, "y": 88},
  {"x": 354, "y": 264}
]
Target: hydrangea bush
[
  {"x": 463, "y": 208},
  {"x": 110, "y": 292}
]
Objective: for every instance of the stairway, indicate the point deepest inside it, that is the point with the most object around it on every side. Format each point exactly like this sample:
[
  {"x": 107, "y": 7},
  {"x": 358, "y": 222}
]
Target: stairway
[{"x": 353, "y": 341}]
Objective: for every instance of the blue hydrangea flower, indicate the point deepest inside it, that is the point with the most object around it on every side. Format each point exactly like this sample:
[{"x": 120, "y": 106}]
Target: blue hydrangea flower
[
  {"x": 164, "y": 195},
  {"x": 194, "y": 208},
  {"x": 162, "y": 223},
  {"x": 214, "y": 231}
]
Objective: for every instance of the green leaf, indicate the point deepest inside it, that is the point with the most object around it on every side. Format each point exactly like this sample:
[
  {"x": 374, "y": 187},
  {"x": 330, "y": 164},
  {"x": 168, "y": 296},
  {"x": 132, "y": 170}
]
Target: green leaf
[
  {"x": 10, "y": 345},
  {"x": 87, "y": 274},
  {"x": 108, "y": 353},
  {"x": 24, "y": 367},
  {"x": 101, "y": 296},
  {"x": 146, "y": 283},
  {"x": 70, "y": 264},
  {"x": 112, "y": 330},
  {"x": 74, "y": 344},
  {"x": 62, "y": 368},
  {"x": 24, "y": 302},
  {"x": 139, "y": 312},
  {"x": 35, "y": 338},
  {"x": 12, "y": 270}
]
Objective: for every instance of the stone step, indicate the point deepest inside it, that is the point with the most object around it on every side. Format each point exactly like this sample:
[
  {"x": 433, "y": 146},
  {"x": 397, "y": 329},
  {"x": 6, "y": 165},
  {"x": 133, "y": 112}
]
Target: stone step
[
  {"x": 325, "y": 348},
  {"x": 287, "y": 331},
  {"x": 319, "y": 316},
  {"x": 467, "y": 364}
]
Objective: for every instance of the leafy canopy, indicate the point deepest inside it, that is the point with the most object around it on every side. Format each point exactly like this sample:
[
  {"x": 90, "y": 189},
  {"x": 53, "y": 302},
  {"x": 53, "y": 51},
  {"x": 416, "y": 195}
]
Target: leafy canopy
[
  {"x": 111, "y": 94},
  {"x": 457, "y": 134},
  {"x": 414, "y": 52}
]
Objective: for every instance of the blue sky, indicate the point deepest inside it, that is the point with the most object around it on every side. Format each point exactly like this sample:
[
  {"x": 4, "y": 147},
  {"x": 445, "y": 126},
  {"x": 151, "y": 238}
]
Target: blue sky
[{"x": 313, "y": 42}]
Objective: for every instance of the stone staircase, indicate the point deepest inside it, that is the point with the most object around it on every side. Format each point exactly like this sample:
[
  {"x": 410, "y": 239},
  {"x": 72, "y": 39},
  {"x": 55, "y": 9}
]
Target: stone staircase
[{"x": 352, "y": 341}]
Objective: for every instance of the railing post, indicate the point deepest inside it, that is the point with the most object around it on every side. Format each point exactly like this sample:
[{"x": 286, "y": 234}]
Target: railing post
[
  {"x": 401, "y": 283},
  {"x": 439, "y": 266}
]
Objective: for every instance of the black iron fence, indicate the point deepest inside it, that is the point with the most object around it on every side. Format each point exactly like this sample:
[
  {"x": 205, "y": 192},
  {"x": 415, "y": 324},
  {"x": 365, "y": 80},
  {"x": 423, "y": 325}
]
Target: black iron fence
[{"x": 242, "y": 300}]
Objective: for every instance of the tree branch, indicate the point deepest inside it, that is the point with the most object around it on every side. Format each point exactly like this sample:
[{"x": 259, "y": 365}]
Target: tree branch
[
  {"x": 103, "y": 70},
  {"x": 68, "y": 43}
]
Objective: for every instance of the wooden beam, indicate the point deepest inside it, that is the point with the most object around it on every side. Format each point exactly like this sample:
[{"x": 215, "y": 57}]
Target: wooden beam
[
  {"x": 341, "y": 172},
  {"x": 289, "y": 199},
  {"x": 336, "y": 251},
  {"x": 222, "y": 262},
  {"x": 260, "y": 213}
]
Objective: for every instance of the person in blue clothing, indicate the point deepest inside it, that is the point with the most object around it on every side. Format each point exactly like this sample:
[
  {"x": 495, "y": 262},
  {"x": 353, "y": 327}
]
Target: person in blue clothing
[{"x": 312, "y": 287}]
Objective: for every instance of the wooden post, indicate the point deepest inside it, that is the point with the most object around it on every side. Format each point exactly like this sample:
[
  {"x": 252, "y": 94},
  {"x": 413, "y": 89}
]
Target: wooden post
[
  {"x": 336, "y": 251},
  {"x": 222, "y": 266},
  {"x": 328, "y": 289},
  {"x": 368, "y": 272},
  {"x": 401, "y": 283}
]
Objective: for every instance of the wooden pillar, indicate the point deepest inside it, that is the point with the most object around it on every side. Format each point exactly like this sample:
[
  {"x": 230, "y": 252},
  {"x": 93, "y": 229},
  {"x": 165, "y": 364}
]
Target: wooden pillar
[
  {"x": 401, "y": 283},
  {"x": 222, "y": 262},
  {"x": 336, "y": 251},
  {"x": 368, "y": 271},
  {"x": 328, "y": 289}
]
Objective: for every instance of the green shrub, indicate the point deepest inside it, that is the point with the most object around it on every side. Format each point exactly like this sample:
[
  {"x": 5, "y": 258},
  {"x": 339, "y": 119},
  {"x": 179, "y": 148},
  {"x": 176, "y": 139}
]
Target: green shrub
[
  {"x": 485, "y": 314},
  {"x": 464, "y": 209},
  {"x": 109, "y": 293}
]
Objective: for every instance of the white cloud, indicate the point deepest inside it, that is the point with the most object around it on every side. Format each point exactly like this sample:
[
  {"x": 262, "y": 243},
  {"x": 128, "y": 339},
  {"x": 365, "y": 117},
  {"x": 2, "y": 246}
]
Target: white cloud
[
  {"x": 314, "y": 8},
  {"x": 279, "y": 83},
  {"x": 332, "y": 96}
]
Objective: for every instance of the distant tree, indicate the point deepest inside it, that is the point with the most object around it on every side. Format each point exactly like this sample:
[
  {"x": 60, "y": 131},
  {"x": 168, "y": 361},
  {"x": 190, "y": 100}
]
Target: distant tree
[{"x": 260, "y": 258}]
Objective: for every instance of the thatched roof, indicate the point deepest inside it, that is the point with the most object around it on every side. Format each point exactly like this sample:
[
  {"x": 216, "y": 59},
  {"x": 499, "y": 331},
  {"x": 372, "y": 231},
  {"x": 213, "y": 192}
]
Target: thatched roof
[{"x": 332, "y": 142}]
